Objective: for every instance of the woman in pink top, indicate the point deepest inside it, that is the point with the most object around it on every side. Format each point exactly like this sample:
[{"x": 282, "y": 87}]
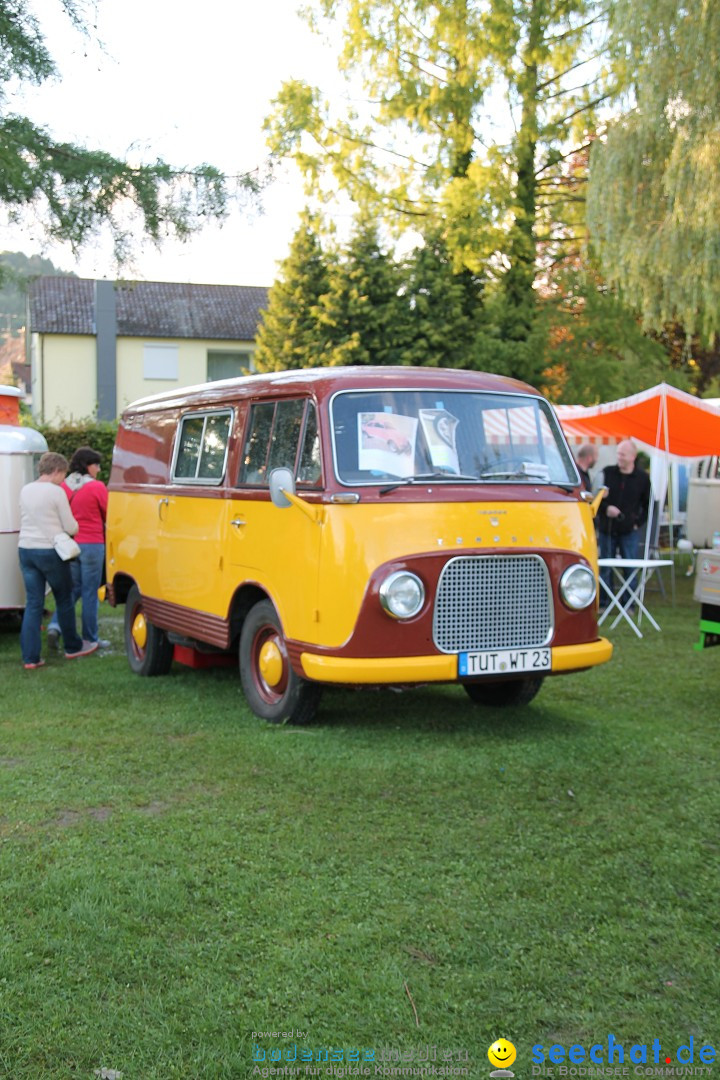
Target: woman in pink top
[{"x": 88, "y": 502}]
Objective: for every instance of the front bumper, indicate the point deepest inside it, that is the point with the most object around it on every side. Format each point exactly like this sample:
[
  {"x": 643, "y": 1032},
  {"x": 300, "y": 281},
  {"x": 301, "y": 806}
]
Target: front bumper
[{"x": 442, "y": 668}]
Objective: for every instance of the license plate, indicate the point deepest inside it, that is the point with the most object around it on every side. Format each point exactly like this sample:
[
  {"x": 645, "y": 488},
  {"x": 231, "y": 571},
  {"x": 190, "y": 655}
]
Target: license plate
[{"x": 504, "y": 662}]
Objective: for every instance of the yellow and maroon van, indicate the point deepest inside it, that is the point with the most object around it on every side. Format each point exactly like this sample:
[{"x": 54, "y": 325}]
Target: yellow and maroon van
[{"x": 353, "y": 526}]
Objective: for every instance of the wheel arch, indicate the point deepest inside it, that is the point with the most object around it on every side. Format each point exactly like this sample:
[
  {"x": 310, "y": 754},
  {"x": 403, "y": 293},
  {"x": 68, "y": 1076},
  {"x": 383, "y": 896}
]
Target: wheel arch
[
  {"x": 119, "y": 588},
  {"x": 244, "y": 598}
]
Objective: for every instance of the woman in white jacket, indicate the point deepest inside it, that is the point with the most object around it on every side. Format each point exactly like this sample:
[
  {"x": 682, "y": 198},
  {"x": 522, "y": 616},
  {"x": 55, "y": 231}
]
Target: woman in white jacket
[{"x": 44, "y": 512}]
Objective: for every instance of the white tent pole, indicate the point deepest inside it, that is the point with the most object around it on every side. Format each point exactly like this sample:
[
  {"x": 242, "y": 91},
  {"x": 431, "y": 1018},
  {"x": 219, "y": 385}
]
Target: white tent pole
[
  {"x": 670, "y": 516},
  {"x": 661, "y": 487}
]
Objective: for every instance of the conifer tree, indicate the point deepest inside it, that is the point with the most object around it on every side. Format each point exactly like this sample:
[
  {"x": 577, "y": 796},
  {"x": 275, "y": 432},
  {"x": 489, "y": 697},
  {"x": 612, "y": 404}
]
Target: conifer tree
[
  {"x": 444, "y": 310},
  {"x": 362, "y": 311},
  {"x": 292, "y": 333}
]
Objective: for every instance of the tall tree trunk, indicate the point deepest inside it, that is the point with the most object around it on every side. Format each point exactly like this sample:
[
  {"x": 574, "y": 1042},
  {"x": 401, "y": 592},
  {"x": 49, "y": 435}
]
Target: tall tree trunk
[{"x": 522, "y": 250}]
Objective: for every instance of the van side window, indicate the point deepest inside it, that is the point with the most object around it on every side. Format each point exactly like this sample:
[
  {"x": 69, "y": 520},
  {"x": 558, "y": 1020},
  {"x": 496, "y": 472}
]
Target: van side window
[
  {"x": 310, "y": 470},
  {"x": 202, "y": 448},
  {"x": 286, "y": 435},
  {"x": 254, "y": 462},
  {"x": 280, "y": 433}
]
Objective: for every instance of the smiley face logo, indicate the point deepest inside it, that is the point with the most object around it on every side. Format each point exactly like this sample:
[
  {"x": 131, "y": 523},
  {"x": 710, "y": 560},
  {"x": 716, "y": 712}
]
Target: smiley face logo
[{"x": 502, "y": 1054}]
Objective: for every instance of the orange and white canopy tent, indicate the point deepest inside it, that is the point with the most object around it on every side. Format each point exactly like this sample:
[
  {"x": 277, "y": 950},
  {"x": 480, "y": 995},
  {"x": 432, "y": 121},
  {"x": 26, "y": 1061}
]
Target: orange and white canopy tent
[{"x": 661, "y": 418}]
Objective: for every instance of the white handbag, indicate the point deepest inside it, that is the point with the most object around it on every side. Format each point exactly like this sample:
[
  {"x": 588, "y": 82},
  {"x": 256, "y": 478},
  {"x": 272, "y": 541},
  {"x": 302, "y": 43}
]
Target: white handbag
[{"x": 65, "y": 546}]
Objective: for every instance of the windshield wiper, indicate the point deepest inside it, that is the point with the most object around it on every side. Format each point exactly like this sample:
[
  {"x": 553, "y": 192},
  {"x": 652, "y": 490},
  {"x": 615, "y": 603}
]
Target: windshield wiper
[
  {"x": 527, "y": 470},
  {"x": 422, "y": 478}
]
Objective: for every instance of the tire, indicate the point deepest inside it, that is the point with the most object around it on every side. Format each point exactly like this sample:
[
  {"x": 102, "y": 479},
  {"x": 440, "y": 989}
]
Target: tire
[
  {"x": 273, "y": 691},
  {"x": 148, "y": 650},
  {"x": 501, "y": 695}
]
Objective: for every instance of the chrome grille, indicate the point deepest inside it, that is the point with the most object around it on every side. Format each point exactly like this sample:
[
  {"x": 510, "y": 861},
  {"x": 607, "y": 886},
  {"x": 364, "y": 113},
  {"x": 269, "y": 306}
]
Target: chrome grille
[{"x": 492, "y": 602}]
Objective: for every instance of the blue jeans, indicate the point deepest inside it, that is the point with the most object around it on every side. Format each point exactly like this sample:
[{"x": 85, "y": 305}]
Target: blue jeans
[
  {"x": 40, "y": 566},
  {"x": 87, "y": 573},
  {"x": 624, "y": 547}
]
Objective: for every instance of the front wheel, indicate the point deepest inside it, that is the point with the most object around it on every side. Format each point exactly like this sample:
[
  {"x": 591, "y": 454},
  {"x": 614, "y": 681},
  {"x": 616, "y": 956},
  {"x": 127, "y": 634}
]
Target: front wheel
[
  {"x": 273, "y": 691},
  {"x": 502, "y": 694},
  {"x": 148, "y": 650}
]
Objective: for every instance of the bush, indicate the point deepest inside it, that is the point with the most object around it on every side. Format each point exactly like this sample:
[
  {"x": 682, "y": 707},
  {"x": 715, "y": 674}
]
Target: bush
[{"x": 65, "y": 439}]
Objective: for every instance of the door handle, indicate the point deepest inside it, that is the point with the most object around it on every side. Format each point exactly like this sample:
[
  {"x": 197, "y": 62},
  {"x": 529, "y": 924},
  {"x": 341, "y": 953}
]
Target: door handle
[
  {"x": 161, "y": 503},
  {"x": 237, "y": 522}
]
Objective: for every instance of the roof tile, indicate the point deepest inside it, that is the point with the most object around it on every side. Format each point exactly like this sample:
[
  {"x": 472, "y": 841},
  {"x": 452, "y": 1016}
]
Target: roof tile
[{"x": 65, "y": 305}]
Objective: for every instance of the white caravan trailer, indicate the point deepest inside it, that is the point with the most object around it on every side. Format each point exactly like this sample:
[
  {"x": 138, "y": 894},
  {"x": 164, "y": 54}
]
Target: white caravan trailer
[
  {"x": 703, "y": 505},
  {"x": 20, "y": 448}
]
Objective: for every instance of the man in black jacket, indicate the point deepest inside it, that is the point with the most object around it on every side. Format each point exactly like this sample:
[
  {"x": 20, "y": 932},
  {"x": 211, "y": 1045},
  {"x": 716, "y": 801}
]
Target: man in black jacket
[{"x": 624, "y": 508}]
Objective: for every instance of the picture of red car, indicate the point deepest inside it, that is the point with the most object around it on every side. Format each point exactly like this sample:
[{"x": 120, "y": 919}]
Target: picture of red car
[{"x": 381, "y": 434}]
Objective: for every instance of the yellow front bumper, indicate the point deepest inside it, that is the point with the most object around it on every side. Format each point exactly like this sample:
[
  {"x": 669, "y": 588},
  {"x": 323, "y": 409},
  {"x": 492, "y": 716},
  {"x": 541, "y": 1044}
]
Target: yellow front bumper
[{"x": 422, "y": 669}]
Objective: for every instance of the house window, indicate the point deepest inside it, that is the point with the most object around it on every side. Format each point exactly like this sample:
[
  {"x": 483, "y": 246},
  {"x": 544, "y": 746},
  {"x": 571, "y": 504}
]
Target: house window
[
  {"x": 160, "y": 362},
  {"x": 202, "y": 448},
  {"x": 224, "y": 364}
]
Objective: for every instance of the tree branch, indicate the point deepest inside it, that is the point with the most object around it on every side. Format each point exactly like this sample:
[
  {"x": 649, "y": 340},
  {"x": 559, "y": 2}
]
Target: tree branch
[
  {"x": 564, "y": 157},
  {"x": 561, "y": 74}
]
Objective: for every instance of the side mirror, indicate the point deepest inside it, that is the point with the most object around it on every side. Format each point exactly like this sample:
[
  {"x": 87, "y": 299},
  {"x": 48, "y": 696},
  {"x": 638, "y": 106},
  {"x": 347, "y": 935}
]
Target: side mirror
[
  {"x": 281, "y": 480},
  {"x": 595, "y": 504}
]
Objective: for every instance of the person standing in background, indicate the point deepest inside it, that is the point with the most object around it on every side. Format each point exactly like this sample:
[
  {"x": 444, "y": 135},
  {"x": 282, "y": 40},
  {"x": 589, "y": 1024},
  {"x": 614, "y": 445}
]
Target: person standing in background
[
  {"x": 586, "y": 459},
  {"x": 624, "y": 508},
  {"x": 88, "y": 502},
  {"x": 45, "y": 512}
]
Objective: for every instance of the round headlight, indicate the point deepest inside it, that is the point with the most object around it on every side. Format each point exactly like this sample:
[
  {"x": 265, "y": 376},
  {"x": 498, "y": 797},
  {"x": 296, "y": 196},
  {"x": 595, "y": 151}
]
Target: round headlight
[
  {"x": 578, "y": 587},
  {"x": 402, "y": 595}
]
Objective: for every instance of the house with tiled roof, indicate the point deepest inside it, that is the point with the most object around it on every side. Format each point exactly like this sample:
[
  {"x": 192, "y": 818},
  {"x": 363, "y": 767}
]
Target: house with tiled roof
[{"x": 95, "y": 346}]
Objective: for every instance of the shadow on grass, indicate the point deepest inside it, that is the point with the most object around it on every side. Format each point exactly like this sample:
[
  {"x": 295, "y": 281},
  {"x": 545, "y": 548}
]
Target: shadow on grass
[
  {"x": 444, "y": 709},
  {"x": 441, "y": 708}
]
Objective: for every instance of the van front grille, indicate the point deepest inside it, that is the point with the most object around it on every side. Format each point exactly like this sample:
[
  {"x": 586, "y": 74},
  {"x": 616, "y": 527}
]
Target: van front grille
[{"x": 493, "y": 602}]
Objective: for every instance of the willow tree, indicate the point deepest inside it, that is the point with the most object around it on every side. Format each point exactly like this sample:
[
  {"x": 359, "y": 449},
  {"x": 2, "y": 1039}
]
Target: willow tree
[
  {"x": 75, "y": 190},
  {"x": 425, "y": 152},
  {"x": 654, "y": 194}
]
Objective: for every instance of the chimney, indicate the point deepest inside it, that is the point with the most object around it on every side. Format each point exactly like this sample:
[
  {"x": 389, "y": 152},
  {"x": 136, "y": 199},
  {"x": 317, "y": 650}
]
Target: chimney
[{"x": 10, "y": 405}]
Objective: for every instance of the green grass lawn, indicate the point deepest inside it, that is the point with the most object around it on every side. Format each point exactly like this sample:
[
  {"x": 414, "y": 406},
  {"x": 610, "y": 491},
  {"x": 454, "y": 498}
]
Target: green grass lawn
[{"x": 410, "y": 871}]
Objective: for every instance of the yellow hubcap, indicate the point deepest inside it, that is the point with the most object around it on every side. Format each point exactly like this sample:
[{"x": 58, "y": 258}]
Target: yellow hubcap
[
  {"x": 139, "y": 631},
  {"x": 271, "y": 663}
]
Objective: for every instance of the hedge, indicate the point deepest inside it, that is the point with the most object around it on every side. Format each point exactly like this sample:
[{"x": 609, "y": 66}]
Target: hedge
[{"x": 66, "y": 438}]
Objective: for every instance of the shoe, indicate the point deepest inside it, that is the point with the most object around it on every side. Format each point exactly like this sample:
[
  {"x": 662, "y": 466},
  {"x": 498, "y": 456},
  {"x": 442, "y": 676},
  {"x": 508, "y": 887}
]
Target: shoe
[
  {"x": 87, "y": 648},
  {"x": 31, "y": 667},
  {"x": 103, "y": 643},
  {"x": 53, "y": 637}
]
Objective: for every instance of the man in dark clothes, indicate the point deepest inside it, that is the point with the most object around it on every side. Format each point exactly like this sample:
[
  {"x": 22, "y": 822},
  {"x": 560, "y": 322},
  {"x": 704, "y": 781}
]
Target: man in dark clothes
[
  {"x": 624, "y": 508},
  {"x": 585, "y": 460}
]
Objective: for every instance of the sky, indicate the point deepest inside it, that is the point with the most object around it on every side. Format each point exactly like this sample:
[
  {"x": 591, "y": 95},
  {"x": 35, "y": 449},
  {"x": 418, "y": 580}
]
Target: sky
[{"x": 189, "y": 83}]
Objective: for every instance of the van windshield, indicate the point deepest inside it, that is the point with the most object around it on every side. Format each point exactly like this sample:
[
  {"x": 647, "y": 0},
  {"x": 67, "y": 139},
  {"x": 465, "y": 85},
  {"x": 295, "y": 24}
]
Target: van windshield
[{"x": 401, "y": 436}]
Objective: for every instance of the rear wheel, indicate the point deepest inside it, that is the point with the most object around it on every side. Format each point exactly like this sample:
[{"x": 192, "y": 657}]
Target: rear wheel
[
  {"x": 148, "y": 650},
  {"x": 273, "y": 690},
  {"x": 501, "y": 694}
]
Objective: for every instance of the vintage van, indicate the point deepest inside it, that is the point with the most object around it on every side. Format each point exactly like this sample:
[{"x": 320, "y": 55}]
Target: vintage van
[{"x": 353, "y": 526}]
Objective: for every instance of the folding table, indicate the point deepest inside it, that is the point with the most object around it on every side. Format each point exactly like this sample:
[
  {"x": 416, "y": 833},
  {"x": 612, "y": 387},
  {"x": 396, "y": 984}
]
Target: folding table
[{"x": 631, "y": 591}]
